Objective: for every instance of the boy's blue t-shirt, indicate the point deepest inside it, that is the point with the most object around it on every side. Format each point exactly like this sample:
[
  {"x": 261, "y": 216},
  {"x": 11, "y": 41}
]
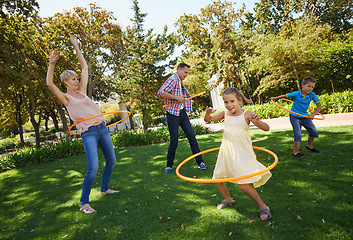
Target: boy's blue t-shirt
[{"x": 301, "y": 104}]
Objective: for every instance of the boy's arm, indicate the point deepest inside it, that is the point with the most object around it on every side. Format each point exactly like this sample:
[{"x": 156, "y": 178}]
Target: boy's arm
[
  {"x": 317, "y": 110},
  {"x": 278, "y": 97}
]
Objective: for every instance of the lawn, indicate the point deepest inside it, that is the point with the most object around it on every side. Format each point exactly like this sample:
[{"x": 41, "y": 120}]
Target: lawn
[{"x": 310, "y": 197}]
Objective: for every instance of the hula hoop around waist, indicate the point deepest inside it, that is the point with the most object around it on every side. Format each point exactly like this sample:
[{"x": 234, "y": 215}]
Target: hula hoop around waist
[
  {"x": 129, "y": 113},
  {"x": 197, "y": 180},
  {"x": 295, "y": 112}
]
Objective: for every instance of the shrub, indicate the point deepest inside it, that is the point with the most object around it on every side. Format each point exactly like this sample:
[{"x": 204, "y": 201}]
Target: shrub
[
  {"x": 30, "y": 156},
  {"x": 151, "y": 136}
]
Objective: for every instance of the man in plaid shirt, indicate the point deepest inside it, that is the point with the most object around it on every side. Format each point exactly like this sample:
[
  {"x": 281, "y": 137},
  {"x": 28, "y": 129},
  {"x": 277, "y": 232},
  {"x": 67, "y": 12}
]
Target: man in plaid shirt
[{"x": 174, "y": 91}]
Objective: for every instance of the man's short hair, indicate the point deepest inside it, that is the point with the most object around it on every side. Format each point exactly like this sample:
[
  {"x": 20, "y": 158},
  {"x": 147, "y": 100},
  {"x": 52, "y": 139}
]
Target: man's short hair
[{"x": 182, "y": 65}]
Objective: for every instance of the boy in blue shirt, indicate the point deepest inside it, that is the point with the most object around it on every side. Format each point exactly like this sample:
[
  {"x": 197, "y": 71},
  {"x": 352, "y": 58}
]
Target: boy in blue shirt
[{"x": 301, "y": 102}]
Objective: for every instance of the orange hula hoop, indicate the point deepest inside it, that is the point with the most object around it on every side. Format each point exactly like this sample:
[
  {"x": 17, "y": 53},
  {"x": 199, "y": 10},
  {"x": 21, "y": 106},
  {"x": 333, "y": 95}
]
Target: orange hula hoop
[
  {"x": 192, "y": 96},
  {"x": 129, "y": 113},
  {"x": 295, "y": 112},
  {"x": 197, "y": 180}
]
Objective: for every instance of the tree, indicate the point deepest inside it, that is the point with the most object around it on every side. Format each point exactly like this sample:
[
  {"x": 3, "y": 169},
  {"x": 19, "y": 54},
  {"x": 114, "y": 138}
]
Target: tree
[
  {"x": 98, "y": 32},
  {"x": 271, "y": 15},
  {"x": 15, "y": 21},
  {"x": 144, "y": 69},
  {"x": 281, "y": 61},
  {"x": 211, "y": 36}
]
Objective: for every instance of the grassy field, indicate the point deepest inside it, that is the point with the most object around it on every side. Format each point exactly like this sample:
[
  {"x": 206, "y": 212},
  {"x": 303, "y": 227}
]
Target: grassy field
[{"x": 310, "y": 197}]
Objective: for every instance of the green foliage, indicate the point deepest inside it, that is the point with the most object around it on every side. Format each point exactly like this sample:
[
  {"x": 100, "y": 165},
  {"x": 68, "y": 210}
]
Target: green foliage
[
  {"x": 150, "y": 136},
  {"x": 30, "y": 156},
  {"x": 146, "y": 59}
]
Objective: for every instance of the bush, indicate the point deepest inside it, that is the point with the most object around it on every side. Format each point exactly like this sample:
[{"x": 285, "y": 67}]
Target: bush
[
  {"x": 137, "y": 138},
  {"x": 30, "y": 156}
]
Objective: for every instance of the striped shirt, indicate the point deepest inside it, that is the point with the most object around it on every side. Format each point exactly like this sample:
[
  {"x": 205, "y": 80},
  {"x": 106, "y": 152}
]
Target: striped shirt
[{"x": 175, "y": 86}]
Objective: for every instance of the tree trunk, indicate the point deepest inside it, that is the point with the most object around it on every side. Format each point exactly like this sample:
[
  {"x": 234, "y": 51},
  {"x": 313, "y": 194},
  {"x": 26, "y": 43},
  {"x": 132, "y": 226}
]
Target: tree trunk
[
  {"x": 296, "y": 75},
  {"x": 55, "y": 120},
  {"x": 19, "y": 117},
  {"x": 31, "y": 110}
]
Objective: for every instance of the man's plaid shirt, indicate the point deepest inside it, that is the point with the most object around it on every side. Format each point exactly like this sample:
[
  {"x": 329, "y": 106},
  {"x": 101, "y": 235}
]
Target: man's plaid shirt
[{"x": 174, "y": 85}]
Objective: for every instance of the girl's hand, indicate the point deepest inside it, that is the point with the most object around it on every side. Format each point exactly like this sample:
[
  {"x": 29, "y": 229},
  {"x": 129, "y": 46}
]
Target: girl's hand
[
  {"x": 210, "y": 110},
  {"x": 73, "y": 40},
  {"x": 54, "y": 55},
  {"x": 253, "y": 116}
]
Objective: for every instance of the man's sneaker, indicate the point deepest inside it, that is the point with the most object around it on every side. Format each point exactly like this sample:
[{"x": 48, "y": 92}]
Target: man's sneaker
[
  {"x": 167, "y": 170},
  {"x": 312, "y": 149},
  {"x": 298, "y": 155},
  {"x": 202, "y": 166}
]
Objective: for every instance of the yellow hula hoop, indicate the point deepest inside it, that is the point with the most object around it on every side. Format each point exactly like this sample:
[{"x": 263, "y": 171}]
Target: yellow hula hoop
[
  {"x": 195, "y": 95},
  {"x": 295, "y": 112},
  {"x": 197, "y": 180},
  {"x": 129, "y": 113}
]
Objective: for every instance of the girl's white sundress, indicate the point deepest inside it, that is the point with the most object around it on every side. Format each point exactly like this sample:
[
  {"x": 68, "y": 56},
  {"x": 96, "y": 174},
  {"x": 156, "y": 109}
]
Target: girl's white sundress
[{"x": 236, "y": 156}]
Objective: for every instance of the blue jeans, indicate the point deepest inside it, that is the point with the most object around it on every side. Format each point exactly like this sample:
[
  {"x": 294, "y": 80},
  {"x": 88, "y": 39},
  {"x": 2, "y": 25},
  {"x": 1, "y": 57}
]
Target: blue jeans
[
  {"x": 173, "y": 126},
  {"x": 91, "y": 138},
  {"x": 298, "y": 122}
]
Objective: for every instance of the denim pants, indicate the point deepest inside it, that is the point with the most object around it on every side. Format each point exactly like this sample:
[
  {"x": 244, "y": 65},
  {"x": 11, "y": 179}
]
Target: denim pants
[
  {"x": 91, "y": 138},
  {"x": 298, "y": 122},
  {"x": 173, "y": 126}
]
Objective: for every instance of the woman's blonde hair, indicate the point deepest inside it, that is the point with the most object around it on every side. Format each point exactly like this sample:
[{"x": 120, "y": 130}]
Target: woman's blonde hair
[
  {"x": 67, "y": 73},
  {"x": 239, "y": 95}
]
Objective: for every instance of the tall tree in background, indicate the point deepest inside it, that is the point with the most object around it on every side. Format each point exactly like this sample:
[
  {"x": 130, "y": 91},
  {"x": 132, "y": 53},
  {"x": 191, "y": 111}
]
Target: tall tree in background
[
  {"x": 97, "y": 32},
  {"x": 282, "y": 60},
  {"x": 270, "y": 15},
  {"x": 16, "y": 24},
  {"x": 210, "y": 36},
  {"x": 145, "y": 64}
]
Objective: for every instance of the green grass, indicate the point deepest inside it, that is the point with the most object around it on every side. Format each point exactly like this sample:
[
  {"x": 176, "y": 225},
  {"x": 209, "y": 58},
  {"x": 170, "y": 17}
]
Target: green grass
[{"x": 310, "y": 197}]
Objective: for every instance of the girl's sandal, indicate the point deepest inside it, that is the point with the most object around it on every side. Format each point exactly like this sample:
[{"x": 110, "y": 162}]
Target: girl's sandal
[
  {"x": 265, "y": 211},
  {"x": 225, "y": 204},
  {"x": 109, "y": 191},
  {"x": 86, "y": 208}
]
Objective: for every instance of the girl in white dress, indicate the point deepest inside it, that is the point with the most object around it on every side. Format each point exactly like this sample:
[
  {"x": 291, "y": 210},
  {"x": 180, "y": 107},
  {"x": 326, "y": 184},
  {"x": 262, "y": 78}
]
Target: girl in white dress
[{"x": 236, "y": 156}]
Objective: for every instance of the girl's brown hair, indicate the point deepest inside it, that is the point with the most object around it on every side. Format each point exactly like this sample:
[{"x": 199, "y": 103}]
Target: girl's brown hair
[{"x": 239, "y": 95}]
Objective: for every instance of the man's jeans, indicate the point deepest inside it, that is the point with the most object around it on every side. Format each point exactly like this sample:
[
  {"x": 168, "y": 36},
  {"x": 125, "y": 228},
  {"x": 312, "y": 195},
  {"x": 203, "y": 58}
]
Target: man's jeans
[{"x": 173, "y": 125}]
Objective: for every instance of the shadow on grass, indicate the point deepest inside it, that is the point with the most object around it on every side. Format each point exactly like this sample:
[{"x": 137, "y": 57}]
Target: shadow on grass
[{"x": 310, "y": 197}]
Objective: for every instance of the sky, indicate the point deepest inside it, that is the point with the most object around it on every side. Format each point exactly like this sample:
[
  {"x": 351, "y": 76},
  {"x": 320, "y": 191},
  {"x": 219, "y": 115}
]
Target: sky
[{"x": 160, "y": 12}]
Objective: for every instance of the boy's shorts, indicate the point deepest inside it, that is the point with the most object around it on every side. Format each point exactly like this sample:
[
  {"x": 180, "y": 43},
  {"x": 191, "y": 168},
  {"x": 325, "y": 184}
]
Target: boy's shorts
[{"x": 298, "y": 122}]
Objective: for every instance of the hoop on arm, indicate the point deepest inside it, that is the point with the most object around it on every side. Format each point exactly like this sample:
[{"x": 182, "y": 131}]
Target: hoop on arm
[{"x": 192, "y": 96}]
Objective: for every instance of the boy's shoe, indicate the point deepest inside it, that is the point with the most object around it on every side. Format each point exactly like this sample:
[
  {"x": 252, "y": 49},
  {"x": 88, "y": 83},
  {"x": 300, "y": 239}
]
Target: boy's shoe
[
  {"x": 167, "y": 170},
  {"x": 312, "y": 149},
  {"x": 298, "y": 155},
  {"x": 202, "y": 166}
]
